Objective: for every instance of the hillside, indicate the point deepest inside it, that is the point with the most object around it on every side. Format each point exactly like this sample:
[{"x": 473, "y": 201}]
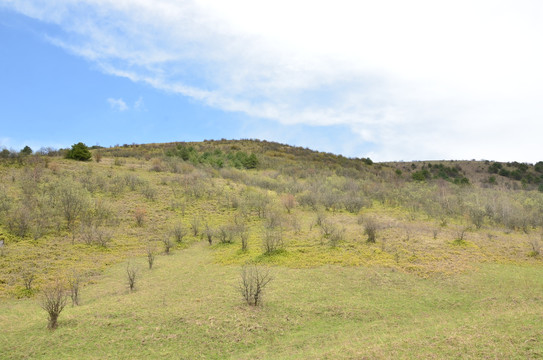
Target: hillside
[{"x": 377, "y": 236}]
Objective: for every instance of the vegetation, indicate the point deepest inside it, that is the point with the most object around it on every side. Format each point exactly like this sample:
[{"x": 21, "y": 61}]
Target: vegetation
[
  {"x": 80, "y": 152},
  {"x": 353, "y": 246}
]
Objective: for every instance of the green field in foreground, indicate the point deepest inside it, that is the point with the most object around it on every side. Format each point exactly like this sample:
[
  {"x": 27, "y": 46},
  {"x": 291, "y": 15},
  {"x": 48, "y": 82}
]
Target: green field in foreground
[{"x": 188, "y": 307}]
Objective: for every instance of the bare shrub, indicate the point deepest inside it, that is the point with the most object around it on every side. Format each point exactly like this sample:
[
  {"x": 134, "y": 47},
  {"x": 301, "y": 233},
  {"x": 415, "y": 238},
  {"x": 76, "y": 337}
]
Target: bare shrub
[
  {"x": 337, "y": 235},
  {"x": 209, "y": 233},
  {"x": 131, "y": 273},
  {"x": 370, "y": 229},
  {"x": 19, "y": 221},
  {"x": 150, "y": 256},
  {"x": 272, "y": 240},
  {"x": 28, "y": 277},
  {"x": 149, "y": 192},
  {"x": 226, "y": 234},
  {"x": 74, "y": 280},
  {"x": 53, "y": 301},
  {"x": 253, "y": 281},
  {"x": 288, "y": 201},
  {"x": 139, "y": 216},
  {"x": 179, "y": 232},
  {"x": 92, "y": 234},
  {"x": 168, "y": 244},
  {"x": 72, "y": 200},
  {"x": 195, "y": 225},
  {"x": 536, "y": 247},
  {"x": 477, "y": 217},
  {"x": 353, "y": 203},
  {"x": 132, "y": 181}
]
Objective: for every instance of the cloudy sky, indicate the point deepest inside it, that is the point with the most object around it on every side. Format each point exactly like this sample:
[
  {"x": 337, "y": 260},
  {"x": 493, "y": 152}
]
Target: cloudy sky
[{"x": 389, "y": 79}]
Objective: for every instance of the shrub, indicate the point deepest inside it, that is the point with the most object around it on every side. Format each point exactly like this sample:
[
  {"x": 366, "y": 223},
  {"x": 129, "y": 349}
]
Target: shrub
[
  {"x": 150, "y": 256},
  {"x": 253, "y": 281},
  {"x": 209, "y": 233},
  {"x": 178, "y": 232},
  {"x": 289, "y": 202},
  {"x": 370, "y": 229},
  {"x": 73, "y": 282},
  {"x": 131, "y": 273},
  {"x": 168, "y": 244},
  {"x": 272, "y": 240},
  {"x": 139, "y": 216},
  {"x": 53, "y": 301},
  {"x": 79, "y": 152},
  {"x": 195, "y": 225}
]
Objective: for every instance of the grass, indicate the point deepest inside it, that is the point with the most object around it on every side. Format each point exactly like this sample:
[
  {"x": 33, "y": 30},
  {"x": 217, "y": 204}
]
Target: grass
[
  {"x": 188, "y": 307},
  {"x": 417, "y": 292}
]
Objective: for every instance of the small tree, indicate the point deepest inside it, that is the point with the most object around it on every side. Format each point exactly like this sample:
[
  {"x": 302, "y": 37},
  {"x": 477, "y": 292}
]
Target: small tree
[
  {"x": 195, "y": 224},
  {"x": 26, "y": 150},
  {"x": 79, "y": 152},
  {"x": 289, "y": 202},
  {"x": 53, "y": 301},
  {"x": 253, "y": 281}
]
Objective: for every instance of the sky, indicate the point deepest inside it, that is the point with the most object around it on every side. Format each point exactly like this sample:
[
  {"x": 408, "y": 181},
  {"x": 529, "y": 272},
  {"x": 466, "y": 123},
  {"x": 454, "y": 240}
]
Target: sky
[{"x": 391, "y": 80}]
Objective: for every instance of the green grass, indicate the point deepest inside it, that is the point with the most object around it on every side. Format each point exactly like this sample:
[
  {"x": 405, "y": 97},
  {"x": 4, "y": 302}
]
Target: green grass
[{"x": 188, "y": 307}]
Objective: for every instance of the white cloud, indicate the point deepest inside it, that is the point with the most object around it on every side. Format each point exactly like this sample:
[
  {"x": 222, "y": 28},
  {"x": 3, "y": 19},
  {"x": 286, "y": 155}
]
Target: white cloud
[
  {"x": 418, "y": 79},
  {"x": 117, "y": 104}
]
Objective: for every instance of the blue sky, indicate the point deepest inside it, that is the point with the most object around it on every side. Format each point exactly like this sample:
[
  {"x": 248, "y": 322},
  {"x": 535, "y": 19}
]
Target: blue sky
[{"x": 454, "y": 80}]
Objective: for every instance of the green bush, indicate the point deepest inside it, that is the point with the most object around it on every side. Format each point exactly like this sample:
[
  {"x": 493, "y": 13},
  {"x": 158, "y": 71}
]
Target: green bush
[{"x": 79, "y": 152}]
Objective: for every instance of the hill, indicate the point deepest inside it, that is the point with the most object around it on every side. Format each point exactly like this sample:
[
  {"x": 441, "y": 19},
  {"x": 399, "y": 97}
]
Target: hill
[{"x": 351, "y": 242}]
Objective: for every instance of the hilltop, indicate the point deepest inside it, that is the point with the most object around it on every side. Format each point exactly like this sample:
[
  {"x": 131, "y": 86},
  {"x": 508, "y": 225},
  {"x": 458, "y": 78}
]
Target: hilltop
[{"x": 217, "y": 205}]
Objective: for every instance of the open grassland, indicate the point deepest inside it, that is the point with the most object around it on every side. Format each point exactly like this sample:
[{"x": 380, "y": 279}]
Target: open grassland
[
  {"x": 188, "y": 307},
  {"x": 367, "y": 259}
]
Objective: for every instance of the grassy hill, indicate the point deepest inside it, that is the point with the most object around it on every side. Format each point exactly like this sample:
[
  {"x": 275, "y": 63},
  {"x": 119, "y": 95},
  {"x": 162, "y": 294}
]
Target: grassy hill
[{"x": 377, "y": 260}]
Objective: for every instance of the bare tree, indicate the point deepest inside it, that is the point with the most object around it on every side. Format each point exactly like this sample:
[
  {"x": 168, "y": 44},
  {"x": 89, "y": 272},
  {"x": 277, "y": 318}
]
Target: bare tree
[
  {"x": 53, "y": 301},
  {"x": 252, "y": 283},
  {"x": 289, "y": 202}
]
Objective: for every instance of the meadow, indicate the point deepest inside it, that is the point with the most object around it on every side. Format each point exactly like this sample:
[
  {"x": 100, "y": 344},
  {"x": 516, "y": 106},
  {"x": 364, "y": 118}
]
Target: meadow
[{"x": 399, "y": 260}]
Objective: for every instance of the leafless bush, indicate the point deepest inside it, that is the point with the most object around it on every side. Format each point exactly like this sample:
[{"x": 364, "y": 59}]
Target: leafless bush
[
  {"x": 19, "y": 221},
  {"x": 370, "y": 229},
  {"x": 133, "y": 181},
  {"x": 288, "y": 201},
  {"x": 337, "y": 235},
  {"x": 131, "y": 273},
  {"x": 139, "y": 216},
  {"x": 435, "y": 232},
  {"x": 477, "y": 217},
  {"x": 209, "y": 233},
  {"x": 149, "y": 192},
  {"x": 536, "y": 247},
  {"x": 168, "y": 244},
  {"x": 72, "y": 200},
  {"x": 53, "y": 301},
  {"x": 178, "y": 232},
  {"x": 195, "y": 225},
  {"x": 28, "y": 278},
  {"x": 92, "y": 234},
  {"x": 353, "y": 203},
  {"x": 253, "y": 281},
  {"x": 150, "y": 256},
  {"x": 226, "y": 234},
  {"x": 272, "y": 240},
  {"x": 74, "y": 281}
]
